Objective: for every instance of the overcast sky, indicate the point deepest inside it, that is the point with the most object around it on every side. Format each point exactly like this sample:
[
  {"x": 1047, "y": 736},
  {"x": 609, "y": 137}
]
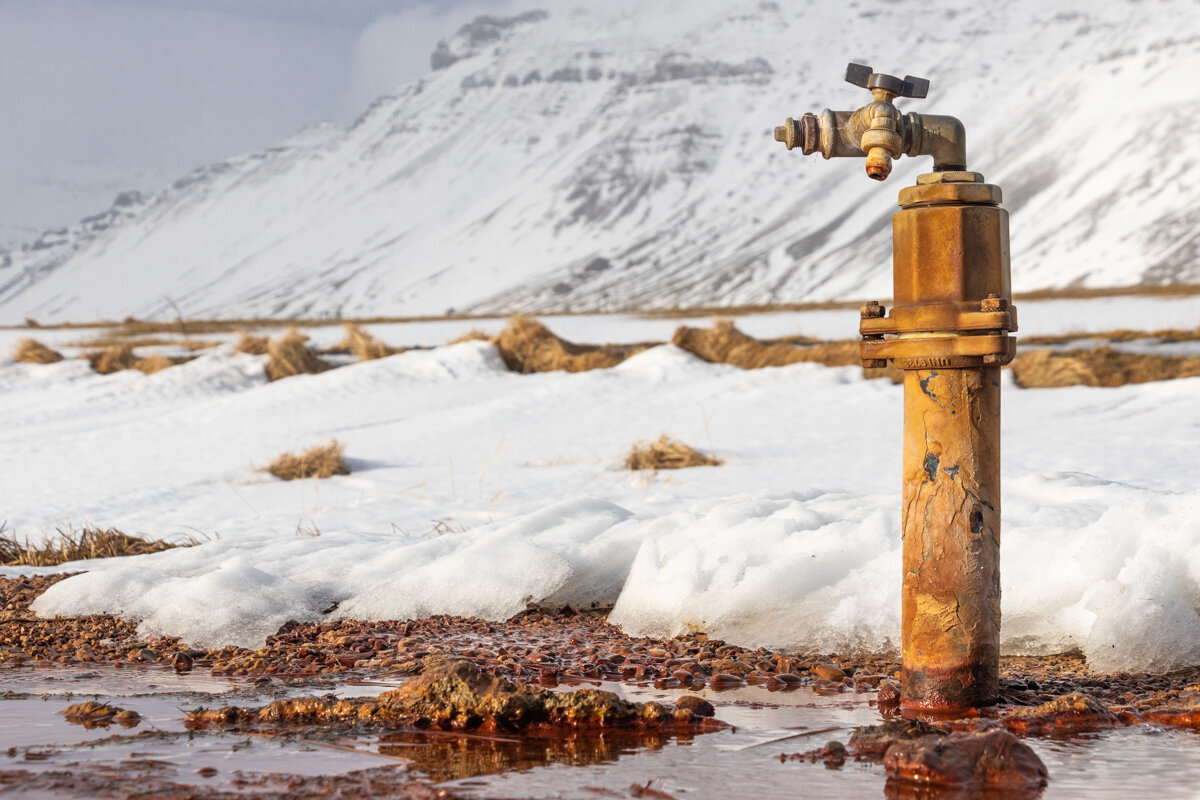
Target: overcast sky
[{"x": 101, "y": 95}]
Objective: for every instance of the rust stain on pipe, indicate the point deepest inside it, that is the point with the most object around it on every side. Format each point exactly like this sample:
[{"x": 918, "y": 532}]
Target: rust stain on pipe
[{"x": 950, "y": 618}]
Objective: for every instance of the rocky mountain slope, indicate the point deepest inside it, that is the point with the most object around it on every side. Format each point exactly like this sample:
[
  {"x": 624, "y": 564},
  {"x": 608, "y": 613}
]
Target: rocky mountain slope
[{"x": 619, "y": 158}]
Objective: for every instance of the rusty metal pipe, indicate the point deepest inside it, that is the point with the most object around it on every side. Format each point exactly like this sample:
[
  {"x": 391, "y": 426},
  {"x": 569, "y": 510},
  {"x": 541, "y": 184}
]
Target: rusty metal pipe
[
  {"x": 949, "y": 330},
  {"x": 950, "y": 610}
]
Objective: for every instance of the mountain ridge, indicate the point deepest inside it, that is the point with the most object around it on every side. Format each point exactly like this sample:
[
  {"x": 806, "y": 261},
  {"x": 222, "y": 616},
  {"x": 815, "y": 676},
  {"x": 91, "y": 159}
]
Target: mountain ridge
[{"x": 610, "y": 160}]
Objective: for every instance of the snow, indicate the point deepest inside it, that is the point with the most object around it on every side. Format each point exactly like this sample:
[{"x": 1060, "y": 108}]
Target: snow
[{"x": 476, "y": 490}]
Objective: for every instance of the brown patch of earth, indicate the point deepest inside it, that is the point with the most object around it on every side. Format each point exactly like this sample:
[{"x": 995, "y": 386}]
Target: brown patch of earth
[
  {"x": 542, "y": 646},
  {"x": 454, "y": 694}
]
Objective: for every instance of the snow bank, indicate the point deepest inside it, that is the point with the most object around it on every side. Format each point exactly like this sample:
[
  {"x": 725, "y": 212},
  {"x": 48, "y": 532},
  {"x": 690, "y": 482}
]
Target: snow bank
[
  {"x": 1110, "y": 569},
  {"x": 1087, "y": 564},
  {"x": 223, "y": 592}
]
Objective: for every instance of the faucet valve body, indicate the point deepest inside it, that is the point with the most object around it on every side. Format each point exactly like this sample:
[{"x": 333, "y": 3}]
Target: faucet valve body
[
  {"x": 949, "y": 330},
  {"x": 878, "y": 130}
]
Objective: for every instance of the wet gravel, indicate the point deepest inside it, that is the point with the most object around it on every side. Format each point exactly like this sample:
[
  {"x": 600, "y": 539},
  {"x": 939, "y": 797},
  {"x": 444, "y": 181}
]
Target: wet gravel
[
  {"x": 147, "y": 778},
  {"x": 542, "y": 646}
]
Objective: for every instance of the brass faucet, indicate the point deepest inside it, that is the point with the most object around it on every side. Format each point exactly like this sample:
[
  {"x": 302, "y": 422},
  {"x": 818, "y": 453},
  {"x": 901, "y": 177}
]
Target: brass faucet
[
  {"x": 949, "y": 329},
  {"x": 878, "y": 130}
]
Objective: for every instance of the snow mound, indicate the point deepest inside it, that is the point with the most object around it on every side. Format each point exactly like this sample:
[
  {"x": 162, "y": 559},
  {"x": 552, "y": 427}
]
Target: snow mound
[
  {"x": 574, "y": 552},
  {"x": 210, "y": 599},
  {"x": 221, "y": 593},
  {"x": 791, "y": 571},
  {"x": 1109, "y": 569}
]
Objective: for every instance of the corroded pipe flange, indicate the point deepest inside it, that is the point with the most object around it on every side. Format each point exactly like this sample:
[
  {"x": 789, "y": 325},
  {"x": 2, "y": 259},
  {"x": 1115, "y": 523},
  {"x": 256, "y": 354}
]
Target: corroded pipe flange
[{"x": 951, "y": 279}]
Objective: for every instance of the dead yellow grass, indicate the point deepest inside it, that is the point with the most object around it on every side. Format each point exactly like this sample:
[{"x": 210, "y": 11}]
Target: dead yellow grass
[
  {"x": 121, "y": 356},
  {"x": 527, "y": 345},
  {"x": 107, "y": 340},
  {"x": 153, "y": 364},
  {"x": 1100, "y": 366},
  {"x": 112, "y": 359},
  {"x": 1119, "y": 335},
  {"x": 254, "y": 345},
  {"x": 71, "y": 545},
  {"x": 1081, "y": 293},
  {"x": 363, "y": 345},
  {"x": 289, "y": 355},
  {"x": 322, "y": 461},
  {"x": 31, "y": 351},
  {"x": 725, "y": 344},
  {"x": 473, "y": 335},
  {"x": 667, "y": 453}
]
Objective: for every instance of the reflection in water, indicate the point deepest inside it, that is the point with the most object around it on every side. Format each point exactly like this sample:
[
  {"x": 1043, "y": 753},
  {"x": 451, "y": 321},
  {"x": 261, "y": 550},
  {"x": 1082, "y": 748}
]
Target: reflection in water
[
  {"x": 904, "y": 790},
  {"x": 446, "y": 756}
]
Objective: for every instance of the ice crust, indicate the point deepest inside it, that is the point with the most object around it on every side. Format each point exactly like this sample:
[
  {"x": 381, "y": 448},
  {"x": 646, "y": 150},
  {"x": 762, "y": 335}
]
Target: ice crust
[{"x": 476, "y": 491}]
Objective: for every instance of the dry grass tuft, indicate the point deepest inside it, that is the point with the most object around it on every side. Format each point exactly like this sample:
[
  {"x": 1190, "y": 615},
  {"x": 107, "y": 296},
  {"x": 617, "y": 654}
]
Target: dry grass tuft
[
  {"x": 72, "y": 545},
  {"x": 153, "y": 364},
  {"x": 119, "y": 357},
  {"x": 289, "y": 355},
  {"x": 109, "y": 340},
  {"x": 1100, "y": 366},
  {"x": 667, "y": 454},
  {"x": 723, "y": 343},
  {"x": 473, "y": 335},
  {"x": 322, "y": 461},
  {"x": 31, "y": 351},
  {"x": 527, "y": 345},
  {"x": 363, "y": 345},
  {"x": 1119, "y": 335},
  {"x": 112, "y": 359},
  {"x": 254, "y": 345}
]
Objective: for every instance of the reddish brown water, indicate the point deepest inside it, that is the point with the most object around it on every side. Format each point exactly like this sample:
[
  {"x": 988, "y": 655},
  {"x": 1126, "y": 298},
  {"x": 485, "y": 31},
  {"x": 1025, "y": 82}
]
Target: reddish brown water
[{"x": 742, "y": 761}]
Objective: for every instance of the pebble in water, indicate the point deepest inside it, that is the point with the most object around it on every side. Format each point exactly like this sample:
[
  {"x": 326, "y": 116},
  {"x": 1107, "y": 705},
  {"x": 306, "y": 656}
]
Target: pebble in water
[{"x": 990, "y": 759}]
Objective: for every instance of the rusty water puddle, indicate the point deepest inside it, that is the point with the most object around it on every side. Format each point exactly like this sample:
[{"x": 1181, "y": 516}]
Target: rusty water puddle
[{"x": 748, "y": 759}]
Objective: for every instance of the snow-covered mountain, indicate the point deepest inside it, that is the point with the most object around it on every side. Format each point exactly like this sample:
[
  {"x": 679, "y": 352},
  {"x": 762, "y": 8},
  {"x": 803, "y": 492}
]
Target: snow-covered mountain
[{"x": 621, "y": 157}]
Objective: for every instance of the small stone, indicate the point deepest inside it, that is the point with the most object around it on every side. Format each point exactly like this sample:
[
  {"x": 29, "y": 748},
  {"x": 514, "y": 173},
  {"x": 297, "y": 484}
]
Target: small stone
[
  {"x": 829, "y": 672},
  {"x": 127, "y": 718},
  {"x": 889, "y": 695},
  {"x": 836, "y": 749},
  {"x": 723, "y": 680},
  {"x": 697, "y": 705},
  {"x": 182, "y": 662},
  {"x": 875, "y": 740},
  {"x": 991, "y": 759},
  {"x": 1071, "y": 713}
]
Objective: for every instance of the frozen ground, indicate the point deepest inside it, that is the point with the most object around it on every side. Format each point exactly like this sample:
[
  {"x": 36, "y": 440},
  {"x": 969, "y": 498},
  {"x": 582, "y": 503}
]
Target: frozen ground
[{"x": 476, "y": 490}]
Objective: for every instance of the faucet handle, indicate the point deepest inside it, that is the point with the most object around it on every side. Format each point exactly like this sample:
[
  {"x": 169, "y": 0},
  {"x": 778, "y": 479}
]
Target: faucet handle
[{"x": 861, "y": 75}]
